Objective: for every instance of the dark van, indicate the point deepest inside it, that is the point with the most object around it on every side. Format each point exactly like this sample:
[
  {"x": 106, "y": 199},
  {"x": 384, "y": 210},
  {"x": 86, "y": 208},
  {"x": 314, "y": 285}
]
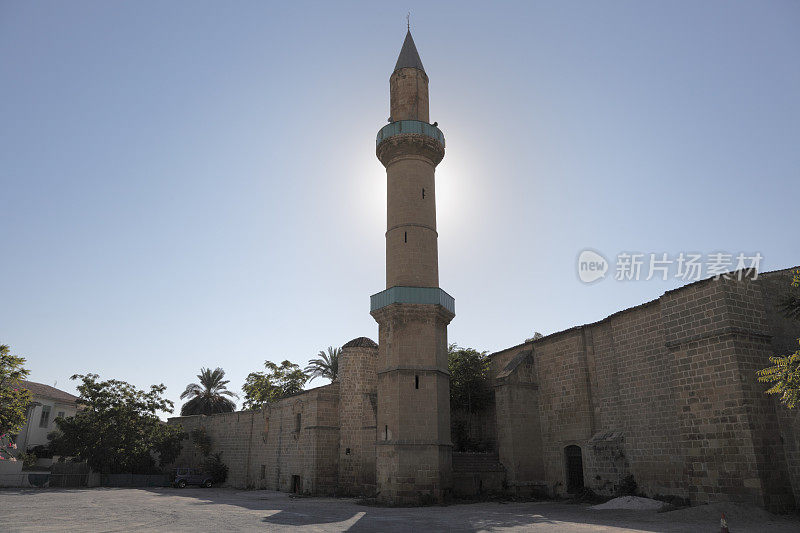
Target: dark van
[{"x": 190, "y": 476}]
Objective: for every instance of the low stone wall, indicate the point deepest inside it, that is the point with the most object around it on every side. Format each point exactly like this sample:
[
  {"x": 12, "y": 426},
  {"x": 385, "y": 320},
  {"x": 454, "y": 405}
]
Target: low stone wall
[
  {"x": 477, "y": 432},
  {"x": 477, "y": 474},
  {"x": 12, "y": 475}
]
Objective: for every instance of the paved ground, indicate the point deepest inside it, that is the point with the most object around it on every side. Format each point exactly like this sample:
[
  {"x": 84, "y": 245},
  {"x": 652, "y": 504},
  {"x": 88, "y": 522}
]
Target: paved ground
[{"x": 195, "y": 510}]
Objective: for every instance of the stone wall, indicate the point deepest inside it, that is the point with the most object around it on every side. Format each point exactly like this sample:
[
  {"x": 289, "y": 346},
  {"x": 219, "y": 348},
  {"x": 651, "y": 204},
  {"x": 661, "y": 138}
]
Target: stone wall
[
  {"x": 477, "y": 474},
  {"x": 477, "y": 432},
  {"x": 785, "y": 337},
  {"x": 519, "y": 436},
  {"x": 717, "y": 333},
  {"x": 665, "y": 392},
  {"x": 291, "y": 445}
]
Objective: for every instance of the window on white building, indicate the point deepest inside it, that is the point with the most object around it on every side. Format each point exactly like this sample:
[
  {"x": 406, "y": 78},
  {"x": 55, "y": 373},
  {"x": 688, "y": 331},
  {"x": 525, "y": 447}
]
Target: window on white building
[
  {"x": 60, "y": 414},
  {"x": 45, "y": 420}
]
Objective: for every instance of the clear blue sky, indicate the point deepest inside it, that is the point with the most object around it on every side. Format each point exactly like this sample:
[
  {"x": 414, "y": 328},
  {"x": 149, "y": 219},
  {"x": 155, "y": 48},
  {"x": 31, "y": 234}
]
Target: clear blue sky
[{"x": 187, "y": 184}]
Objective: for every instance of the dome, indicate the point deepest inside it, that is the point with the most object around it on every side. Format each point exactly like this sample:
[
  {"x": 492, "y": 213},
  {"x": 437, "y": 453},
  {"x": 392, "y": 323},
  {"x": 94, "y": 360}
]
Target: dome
[{"x": 360, "y": 342}]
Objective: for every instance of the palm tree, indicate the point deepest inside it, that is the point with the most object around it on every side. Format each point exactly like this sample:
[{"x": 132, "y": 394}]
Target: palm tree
[
  {"x": 326, "y": 365},
  {"x": 208, "y": 397}
]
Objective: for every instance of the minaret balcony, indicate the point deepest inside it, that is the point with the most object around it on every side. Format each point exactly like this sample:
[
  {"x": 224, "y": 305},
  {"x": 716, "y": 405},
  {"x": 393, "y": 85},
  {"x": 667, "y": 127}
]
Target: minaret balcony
[
  {"x": 409, "y": 138},
  {"x": 412, "y": 295},
  {"x": 410, "y": 126}
]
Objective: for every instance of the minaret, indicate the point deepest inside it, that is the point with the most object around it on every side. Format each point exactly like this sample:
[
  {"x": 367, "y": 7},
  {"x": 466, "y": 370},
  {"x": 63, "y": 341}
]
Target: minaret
[{"x": 414, "y": 451}]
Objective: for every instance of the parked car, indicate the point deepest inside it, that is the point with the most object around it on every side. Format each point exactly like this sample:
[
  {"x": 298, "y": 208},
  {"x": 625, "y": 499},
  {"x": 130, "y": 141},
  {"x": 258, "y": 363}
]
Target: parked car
[{"x": 191, "y": 476}]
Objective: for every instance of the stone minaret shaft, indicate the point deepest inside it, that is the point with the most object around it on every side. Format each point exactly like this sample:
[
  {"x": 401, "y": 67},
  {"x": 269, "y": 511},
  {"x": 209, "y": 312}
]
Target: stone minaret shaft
[
  {"x": 411, "y": 252},
  {"x": 414, "y": 452}
]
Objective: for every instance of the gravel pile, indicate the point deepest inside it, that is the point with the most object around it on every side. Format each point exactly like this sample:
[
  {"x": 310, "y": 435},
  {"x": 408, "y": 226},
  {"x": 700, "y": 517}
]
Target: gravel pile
[{"x": 631, "y": 502}]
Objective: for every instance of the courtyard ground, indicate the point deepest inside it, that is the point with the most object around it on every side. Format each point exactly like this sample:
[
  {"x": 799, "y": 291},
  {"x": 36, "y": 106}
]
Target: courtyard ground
[{"x": 194, "y": 509}]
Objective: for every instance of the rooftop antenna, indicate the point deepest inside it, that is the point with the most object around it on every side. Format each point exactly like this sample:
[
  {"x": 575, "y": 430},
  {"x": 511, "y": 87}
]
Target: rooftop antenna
[{"x": 408, "y": 20}]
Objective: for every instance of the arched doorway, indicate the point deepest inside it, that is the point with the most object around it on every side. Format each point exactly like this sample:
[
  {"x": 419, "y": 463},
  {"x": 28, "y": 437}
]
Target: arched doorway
[{"x": 574, "y": 463}]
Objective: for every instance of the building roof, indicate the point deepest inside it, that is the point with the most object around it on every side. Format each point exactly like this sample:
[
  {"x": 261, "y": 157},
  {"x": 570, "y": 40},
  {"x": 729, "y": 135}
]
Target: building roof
[
  {"x": 46, "y": 391},
  {"x": 409, "y": 57},
  {"x": 639, "y": 306},
  {"x": 361, "y": 342}
]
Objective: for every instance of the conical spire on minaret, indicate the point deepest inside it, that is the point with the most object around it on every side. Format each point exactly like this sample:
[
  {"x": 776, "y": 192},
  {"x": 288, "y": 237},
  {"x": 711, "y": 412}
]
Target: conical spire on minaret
[{"x": 409, "y": 57}]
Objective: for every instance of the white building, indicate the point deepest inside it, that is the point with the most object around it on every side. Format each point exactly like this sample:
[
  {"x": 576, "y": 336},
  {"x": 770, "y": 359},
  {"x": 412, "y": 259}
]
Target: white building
[{"x": 47, "y": 404}]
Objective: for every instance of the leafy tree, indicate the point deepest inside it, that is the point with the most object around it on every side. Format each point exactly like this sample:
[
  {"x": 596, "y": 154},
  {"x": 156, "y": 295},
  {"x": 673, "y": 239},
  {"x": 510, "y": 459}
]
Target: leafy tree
[
  {"x": 201, "y": 440},
  {"x": 470, "y": 389},
  {"x": 168, "y": 445},
  {"x": 209, "y": 396},
  {"x": 325, "y": 366},
  {"x": 28, "y": 459},
  {"x": 261, "y": 388},
  {"x": 790, "y": 305},
  {"x": 785, "y": 369},
  {"x": 470, "y": 392},
  {"x": 14, "y": 399},
  {"x": 536, "y": 336},
  {"x": 118, "y": 431},
  {"x": 212, "y": 462},
  {"x": 214, "y": 466},
  {"x": 785, "y": 374}
]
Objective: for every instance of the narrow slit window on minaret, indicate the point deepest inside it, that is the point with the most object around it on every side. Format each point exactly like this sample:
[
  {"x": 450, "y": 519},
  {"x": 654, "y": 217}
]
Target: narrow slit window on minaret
[
  {"x": 423, "y": 193},
  {"x": 416, "y": 381},
  {"x": 405, "y": 236},
  {"x": 386, "y": 432}
]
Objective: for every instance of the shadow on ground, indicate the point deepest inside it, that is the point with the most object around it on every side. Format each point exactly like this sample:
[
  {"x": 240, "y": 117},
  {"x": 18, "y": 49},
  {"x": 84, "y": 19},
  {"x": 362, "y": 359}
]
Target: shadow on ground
[
  {"x": 152, "y": 509},
  {"x": 281, "y": 509}
]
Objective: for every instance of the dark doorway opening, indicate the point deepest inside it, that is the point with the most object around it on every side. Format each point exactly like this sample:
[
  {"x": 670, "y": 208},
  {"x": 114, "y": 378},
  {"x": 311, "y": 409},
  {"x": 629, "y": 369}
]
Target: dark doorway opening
[
  {"x": 574, "y": 463},
  {"x": 296, "y": 484}
]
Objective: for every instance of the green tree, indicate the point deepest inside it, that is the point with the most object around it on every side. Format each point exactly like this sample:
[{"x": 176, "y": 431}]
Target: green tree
[
  {"x": 325, "y": 366},
  {"x": 201, "y": 440},
  {"x": 785, "y": 370},
  {"x": 261, "y": 388},
  {"x": 470, "y": 392},
  {"x": 470, "y": 387},
  {"x": 790, "y": 305},
  {"x": 785, "y": 374},
  {"x": 14, "y": 399},
  {"x": 209, "y": 396},
  {"x": 117, "y": 431},
  {"x": 214, "y": 466}
]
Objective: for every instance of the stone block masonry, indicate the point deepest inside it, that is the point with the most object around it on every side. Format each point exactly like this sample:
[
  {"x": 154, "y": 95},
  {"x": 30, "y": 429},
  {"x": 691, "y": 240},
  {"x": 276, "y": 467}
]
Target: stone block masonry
[
  {"x": 665, "y": 392},
  {"x": 357, "y": 417},
  {"x": 291, "y": 445}
]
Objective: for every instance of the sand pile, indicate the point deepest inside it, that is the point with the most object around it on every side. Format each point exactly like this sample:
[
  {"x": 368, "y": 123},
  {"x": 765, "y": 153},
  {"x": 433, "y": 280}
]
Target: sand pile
[{"x": 631, "y": 502}]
